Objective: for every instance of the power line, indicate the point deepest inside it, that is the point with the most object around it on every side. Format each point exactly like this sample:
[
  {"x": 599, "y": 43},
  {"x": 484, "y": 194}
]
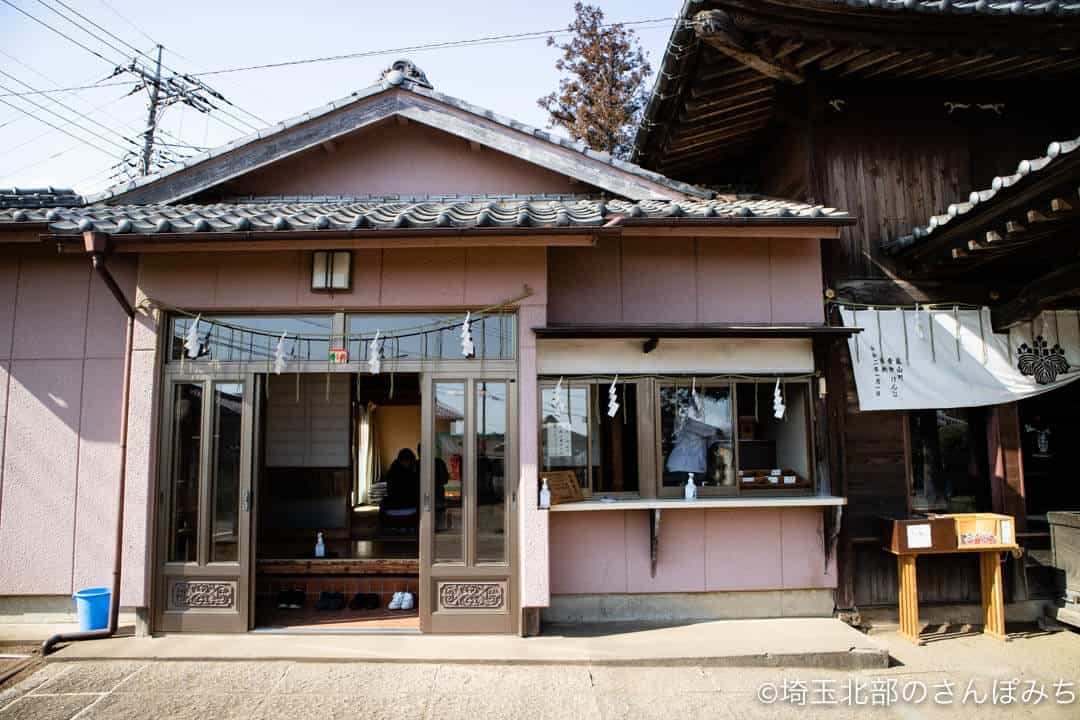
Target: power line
[
  {"x": 58, "y": 32},
  {"x": 81, "y": 27},
  {"x": 127, "y": 20},
  {"x": 493, "y": 39},
  {"x": 95, "y": 86},
  {"x": 110, "y": 153},
  {"x": 486, "y": 40},
  {"x": 140, "y": 52},
  {"x": 69, "y": 121},
  {"x": 67, "y": 107},
  {"x": 34, "y": 139}
]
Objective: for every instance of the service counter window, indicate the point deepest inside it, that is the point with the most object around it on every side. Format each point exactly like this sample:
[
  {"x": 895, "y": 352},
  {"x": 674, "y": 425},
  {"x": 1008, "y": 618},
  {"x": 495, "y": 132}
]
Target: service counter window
[
  {"x": 735, "y": 436},
  {"x": 774, "y": 446},
  {"x": 696, "y": 438},
  {"x": 579, "y": 434}
]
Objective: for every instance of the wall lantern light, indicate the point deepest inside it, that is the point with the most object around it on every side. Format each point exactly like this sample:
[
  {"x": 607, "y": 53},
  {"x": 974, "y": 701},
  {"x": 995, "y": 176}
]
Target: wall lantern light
[{"x": 331, "y": 270}]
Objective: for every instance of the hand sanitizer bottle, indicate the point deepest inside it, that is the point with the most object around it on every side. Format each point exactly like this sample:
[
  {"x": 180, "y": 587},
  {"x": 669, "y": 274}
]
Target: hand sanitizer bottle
[
  {"x": 320, "y": 548},
  {"x": 690, "y": 492},
  {"x": 545, "y": 496}
]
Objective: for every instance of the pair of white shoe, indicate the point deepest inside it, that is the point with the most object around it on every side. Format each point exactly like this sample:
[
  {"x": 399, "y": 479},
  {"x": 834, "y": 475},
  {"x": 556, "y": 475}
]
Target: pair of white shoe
[{"x": 402, "y": 601}]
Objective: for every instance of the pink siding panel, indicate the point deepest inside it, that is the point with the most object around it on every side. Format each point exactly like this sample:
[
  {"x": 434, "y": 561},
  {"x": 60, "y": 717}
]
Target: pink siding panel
[
  {"x": 418, "y": 277},
  {"x": 710, "y": 550},
  {"x": 247, "y": 280},
  {"x": 742, "y": 550},
  {"x": 585, "y": 284},
  {"x": 587, "y": 552},
  {"x": 99, "y": 458},
  {"x": 680, "y": 564},
  {"x": 195, "y": 287},
  {"x": 796, "y": 281},
  {"x": 108, "y": 323},
  {"x": 393, "y": 159},
  {"x": 37, "y": 514},
  {"x": 50, "y": 312},
  {"x": 804, "y": 551},
  {"x": 496, "y": 274},
  {"x": 686, "y": 280},
  {"x": 733, "y": 280},
  {"x": 658, "y": 278}
]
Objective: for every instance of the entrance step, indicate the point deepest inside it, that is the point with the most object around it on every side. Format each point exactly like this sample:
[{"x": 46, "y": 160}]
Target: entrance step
[{"x": 788, "y": 642}]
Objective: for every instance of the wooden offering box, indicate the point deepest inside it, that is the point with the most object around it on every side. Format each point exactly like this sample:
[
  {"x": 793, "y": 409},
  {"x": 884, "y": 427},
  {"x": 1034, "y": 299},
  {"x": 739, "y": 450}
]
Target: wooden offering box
[
  {"x": 778, "y": 479},
  {"x": 984, "y": 531},
  {"x": 918, "y": 535}
]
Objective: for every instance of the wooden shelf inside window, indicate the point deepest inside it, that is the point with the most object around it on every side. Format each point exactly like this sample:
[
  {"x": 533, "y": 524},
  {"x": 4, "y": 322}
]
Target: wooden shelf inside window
[{"x": 757, "y": 501}]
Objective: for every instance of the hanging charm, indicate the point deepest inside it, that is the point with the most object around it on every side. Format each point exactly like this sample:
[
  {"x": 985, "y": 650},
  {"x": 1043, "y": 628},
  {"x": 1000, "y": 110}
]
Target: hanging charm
[
  {"x": 919, "y": 331},
  {"x": 558, "y": 407},
  {"x": 468, "y": 350},
  {"x": 280, "y": 361},
  {"x": 613, "y": 399},
  {"x": 192, "y": 343},
  {"x": 778, "y": 402},
  {"x": 375, "y": 354}
]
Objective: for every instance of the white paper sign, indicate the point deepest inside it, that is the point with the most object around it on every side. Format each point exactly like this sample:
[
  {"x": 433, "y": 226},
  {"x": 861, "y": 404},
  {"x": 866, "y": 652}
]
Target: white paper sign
[
  {"x": 918, "y": 536},
  {"x": 1007, "y": 532},
  {"x": 789, "y": 479}
]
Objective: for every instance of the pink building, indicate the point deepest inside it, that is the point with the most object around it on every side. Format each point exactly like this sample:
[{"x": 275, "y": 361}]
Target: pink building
[{"x": 386, "y": 324}]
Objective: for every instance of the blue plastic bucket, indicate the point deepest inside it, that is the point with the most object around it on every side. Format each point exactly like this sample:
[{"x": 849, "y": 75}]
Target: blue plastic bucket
[{"x": 92, "y": 606}]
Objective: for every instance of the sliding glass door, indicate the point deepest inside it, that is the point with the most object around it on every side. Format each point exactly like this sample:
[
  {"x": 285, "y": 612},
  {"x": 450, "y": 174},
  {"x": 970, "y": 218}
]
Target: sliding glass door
[
  {"x": 204, "y": 505},
  {"x": 469, "y": 491}
]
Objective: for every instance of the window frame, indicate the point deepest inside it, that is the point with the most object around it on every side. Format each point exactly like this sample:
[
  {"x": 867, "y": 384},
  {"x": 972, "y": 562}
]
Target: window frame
[
  {"x": 650, "y": 441},
  {"x": 645, "y": 434},
  {"x": 678, "y": 491}
]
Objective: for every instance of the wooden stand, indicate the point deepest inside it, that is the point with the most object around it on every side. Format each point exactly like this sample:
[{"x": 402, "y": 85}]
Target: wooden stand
[{"x": 993, "y": 596}]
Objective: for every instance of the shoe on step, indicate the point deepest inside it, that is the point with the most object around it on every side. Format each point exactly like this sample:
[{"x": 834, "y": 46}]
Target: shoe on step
[
  {"x": 323, "y": 603},
  {"x": 296, "y": 599},
  {"x": 395, "y": 602},
  {"x": 283, "y": 599},
  {"x": 407, "y": 601},
  {"x": 336, "y": 601}
]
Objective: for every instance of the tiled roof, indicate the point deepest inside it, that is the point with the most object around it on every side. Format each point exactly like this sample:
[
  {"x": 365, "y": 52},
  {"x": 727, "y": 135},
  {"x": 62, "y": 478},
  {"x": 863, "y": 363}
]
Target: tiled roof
[
  {"x": 396, "y": 214},
  {"x": 38, "y": 197},
  {"x": 982, "y": 7},
  {"x": 1025, "y": 171}
]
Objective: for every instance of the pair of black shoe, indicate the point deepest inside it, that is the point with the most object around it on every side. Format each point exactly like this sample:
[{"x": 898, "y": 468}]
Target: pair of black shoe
[
  {"x": 364, "y": 601},
  {"x": 290, "y": 599},
  {"x": 330, "y": 601}
]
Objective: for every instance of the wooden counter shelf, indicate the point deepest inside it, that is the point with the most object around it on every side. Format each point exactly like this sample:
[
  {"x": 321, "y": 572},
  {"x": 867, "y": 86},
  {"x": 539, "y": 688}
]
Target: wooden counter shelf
[
  {"x": 338, "y": 566},
  {"x": 909, "y": 538}
]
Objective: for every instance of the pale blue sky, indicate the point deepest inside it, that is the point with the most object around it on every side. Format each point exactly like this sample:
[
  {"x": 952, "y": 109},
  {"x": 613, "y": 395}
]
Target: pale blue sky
[{"x": 201, "y": 35}]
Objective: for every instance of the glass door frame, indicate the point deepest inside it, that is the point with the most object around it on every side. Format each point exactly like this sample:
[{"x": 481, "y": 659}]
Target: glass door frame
[
  {"x": 498, "y": 610},
  {"x": 204, "y": 596}
]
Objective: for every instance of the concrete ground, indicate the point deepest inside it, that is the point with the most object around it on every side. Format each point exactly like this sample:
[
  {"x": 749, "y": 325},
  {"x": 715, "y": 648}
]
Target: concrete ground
[{"x": 293, "y": 690}]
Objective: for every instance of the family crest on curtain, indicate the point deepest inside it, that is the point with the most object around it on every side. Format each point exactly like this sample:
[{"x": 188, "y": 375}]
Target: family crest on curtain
[{"x": 920, "y": 359}]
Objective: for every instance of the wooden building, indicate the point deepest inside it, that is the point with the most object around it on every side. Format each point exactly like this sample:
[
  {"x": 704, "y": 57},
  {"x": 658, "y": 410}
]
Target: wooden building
[{"x": 934, "y": 124}]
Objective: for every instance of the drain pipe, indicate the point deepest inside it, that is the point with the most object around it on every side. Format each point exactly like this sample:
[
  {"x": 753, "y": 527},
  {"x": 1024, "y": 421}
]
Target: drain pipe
[{"x": 96, "y": 247}]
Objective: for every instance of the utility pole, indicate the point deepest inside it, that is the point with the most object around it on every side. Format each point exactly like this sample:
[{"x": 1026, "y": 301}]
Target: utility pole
[{"x": 151, "y": 120}]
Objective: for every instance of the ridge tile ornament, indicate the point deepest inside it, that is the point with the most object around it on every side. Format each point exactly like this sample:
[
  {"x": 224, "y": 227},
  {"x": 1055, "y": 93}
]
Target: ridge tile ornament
[{"x": 1042, "y": 362}]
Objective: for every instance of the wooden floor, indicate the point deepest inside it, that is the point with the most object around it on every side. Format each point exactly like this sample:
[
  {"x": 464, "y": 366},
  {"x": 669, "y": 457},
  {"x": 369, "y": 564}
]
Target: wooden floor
[{"x": 329, "y": 620}]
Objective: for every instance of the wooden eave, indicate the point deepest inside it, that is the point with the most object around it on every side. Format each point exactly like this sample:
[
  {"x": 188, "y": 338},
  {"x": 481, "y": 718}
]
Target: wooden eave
[{"x": 731, "y": 53}]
